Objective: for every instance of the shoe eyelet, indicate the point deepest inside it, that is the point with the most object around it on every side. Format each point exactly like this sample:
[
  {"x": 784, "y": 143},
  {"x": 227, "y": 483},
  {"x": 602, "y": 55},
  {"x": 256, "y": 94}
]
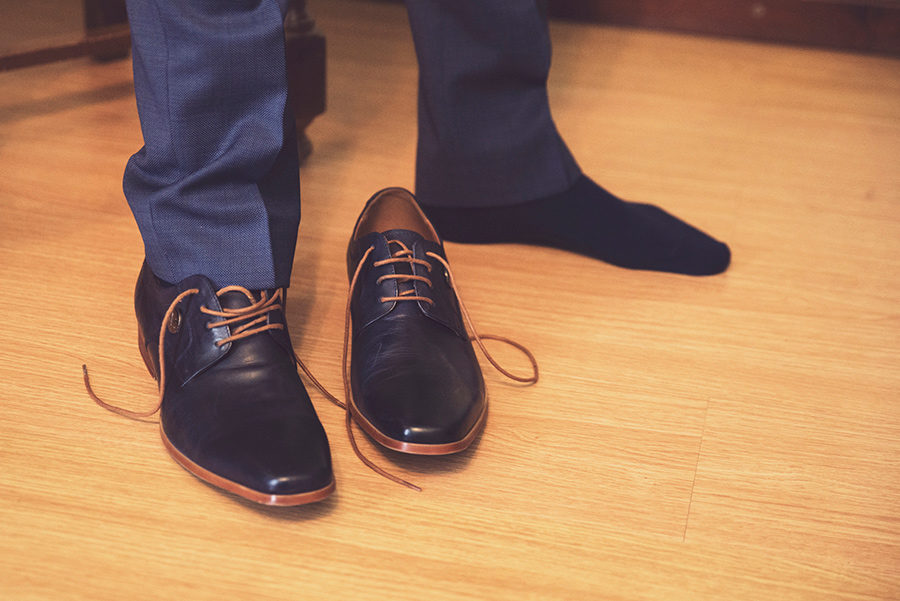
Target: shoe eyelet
[{"x": 174, "y": 324}]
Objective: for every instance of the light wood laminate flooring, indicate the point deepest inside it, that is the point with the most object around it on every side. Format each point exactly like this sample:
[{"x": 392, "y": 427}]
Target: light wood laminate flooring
[{"x": 731, "y": 437}]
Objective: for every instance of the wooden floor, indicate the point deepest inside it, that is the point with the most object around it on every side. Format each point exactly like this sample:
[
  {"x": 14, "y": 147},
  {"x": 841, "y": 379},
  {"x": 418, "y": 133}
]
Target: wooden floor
[{"x": 733, "y": 437}]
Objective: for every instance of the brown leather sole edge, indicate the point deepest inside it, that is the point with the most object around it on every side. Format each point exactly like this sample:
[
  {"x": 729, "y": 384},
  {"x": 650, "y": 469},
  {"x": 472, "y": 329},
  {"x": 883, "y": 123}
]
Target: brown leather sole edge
[
  {"x": 224, "y": 483},
  {"x": 413, "y": 448},
  {"x": 241, "y": 490}
]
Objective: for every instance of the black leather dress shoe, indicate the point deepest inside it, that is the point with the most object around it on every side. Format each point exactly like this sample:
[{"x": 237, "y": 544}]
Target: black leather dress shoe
[
  {"x": 233, "y": 409},
  {"x": 415, "y": 383}
]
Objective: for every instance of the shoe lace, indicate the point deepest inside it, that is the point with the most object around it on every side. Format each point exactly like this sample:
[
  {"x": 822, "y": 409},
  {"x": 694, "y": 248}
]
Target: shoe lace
[
  {"x": 250, "y": 320},
  {"x": 244, "y": 322},
  {"x": 405, "y": 256}
]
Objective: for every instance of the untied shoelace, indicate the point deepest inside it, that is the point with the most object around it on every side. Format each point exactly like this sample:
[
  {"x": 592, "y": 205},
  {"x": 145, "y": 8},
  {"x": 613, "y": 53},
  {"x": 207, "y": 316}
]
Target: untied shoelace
[
  {"x": 252, "y": 315},
  {"x": 252, "y": 321},
  {"x": 405, "y": 255}
]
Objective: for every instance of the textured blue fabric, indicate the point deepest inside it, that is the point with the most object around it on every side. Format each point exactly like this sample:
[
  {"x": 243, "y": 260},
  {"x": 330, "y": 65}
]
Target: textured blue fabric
[
  {"x": 486, "y": 136},
  {"x": 215, "y": 189}
]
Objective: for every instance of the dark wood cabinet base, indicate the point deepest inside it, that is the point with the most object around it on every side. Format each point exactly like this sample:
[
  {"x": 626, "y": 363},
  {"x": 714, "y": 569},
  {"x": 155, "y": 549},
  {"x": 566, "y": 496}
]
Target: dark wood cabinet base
[
  {"x": 305, "y": 55},
  {"x": 862, "y": 25}
]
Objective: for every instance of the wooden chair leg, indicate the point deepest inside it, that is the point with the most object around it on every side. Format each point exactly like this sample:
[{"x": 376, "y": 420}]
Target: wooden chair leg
[
  {"x": 99, "y": 15},
  {"x": 305, "y": 54}
]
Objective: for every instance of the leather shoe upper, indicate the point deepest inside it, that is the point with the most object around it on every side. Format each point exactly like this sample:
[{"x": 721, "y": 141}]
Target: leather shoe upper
[
  {"x": 415, "y": 380},
  {"x": 234, "y": 410}
]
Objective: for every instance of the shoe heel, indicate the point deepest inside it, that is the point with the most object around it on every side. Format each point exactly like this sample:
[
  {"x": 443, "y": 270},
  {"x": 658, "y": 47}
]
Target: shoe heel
[{"x": 145, "y": 354}]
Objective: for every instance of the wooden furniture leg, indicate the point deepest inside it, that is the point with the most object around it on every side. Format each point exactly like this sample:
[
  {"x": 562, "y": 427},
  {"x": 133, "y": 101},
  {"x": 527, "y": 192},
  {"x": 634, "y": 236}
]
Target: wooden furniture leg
[
  {"x": 100, "y": 15},
  {"x": 305, "y": 54}
]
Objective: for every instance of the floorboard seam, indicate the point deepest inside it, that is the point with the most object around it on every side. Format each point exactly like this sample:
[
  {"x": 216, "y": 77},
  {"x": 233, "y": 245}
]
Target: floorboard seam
[{"x": 696, "y": 468}]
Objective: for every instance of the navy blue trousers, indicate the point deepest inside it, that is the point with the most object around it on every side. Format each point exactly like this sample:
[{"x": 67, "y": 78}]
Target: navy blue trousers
[{"x": 215, "y": 188}]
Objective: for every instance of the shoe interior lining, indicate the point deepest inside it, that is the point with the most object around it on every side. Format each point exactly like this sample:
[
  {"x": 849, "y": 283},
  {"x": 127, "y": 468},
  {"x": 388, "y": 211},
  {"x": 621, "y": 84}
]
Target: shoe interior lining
[{"x": 395, "y": 209}]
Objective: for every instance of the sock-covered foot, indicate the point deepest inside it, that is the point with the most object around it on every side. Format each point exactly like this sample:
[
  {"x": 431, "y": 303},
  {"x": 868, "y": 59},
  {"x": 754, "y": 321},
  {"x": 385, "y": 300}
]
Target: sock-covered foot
[{"x": 588, "y": 220}]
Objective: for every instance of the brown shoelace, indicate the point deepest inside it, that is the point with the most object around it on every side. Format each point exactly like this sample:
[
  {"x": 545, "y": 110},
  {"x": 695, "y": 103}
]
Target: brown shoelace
[
  {"x": 256, "y": 314},
  {"x": 401, "y": 256},
  {"x": 245, "y": 322}
]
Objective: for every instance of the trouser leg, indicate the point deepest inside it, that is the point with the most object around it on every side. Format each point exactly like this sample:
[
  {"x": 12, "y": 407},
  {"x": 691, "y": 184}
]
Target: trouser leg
[
  {"x": 486, "y": 136},
  {"x": 215, "y": 188}
]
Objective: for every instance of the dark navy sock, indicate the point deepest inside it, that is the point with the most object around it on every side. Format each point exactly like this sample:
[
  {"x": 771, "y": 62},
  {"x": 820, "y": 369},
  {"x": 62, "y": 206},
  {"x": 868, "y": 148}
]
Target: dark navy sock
[{"x": 588, "y": 220}]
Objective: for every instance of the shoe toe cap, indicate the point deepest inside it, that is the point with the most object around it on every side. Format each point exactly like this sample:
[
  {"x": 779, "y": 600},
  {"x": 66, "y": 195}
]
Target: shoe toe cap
[
  {"x": 287, "y": 456},
  {"x": 420, "y": 409}
]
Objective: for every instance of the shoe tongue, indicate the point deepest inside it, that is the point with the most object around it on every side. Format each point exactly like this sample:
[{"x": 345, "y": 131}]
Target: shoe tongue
[
  {"x": 407, "y": 237},
  {"x": 235, "y": 299}
]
